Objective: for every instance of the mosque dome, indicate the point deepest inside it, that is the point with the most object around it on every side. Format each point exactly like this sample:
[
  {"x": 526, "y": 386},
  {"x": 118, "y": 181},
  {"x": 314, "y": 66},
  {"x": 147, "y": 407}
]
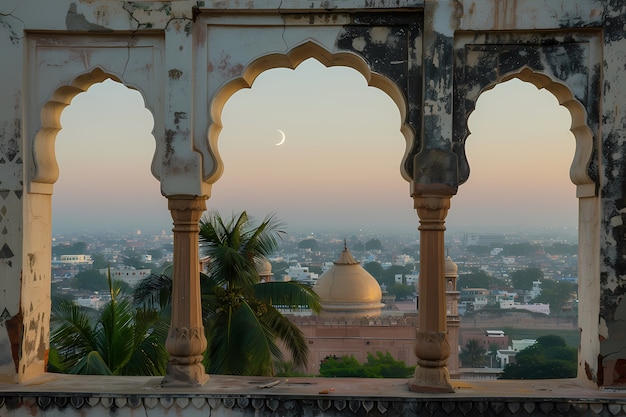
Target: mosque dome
[
  {"x": 451, "y": 269},
  {"x": 264, "y": 268},
  {"x": 348, "y": 289}
]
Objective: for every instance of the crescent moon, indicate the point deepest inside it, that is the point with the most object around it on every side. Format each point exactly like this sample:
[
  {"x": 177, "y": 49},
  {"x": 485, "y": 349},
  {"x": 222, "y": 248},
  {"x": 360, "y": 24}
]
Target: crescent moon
[{"x": 283, "y": 137}]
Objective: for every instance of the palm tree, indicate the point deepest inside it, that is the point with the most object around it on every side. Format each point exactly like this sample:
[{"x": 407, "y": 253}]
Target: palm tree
[
  {"x": 241, "y": 321},
  {"x": 122, "y": 341}
]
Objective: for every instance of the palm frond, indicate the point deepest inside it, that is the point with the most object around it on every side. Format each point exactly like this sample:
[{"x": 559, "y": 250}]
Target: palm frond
[
  {"x": 73, "y": 336},
  {"x": 154, "y": 292},
  {"x": 91, "y": 364},
  {"x": 289, "y": 294},
  {"x": 290, "y": 334},
  {"x": 240, "y": 344},
  {"x": 116, "y": 333},
  {"x": 148, "y": 356}
]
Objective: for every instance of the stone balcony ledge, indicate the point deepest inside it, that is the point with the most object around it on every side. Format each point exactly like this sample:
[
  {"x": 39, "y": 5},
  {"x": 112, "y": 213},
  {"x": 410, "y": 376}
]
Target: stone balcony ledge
[{"x": 244, "y": 396}]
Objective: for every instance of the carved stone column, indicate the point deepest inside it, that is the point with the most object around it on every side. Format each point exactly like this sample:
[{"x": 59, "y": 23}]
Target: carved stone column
[
  {"x": 432, "y": 349},
  {"x": 186, "y": 340}
]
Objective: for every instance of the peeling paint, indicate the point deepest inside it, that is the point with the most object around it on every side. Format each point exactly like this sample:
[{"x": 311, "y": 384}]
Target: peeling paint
[
  {"x": 15, "y": 330},
  {"x": 175, "y": 74}
]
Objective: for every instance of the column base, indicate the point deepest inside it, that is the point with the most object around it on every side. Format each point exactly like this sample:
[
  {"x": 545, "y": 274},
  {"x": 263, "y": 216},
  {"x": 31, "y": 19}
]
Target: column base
[
  {"x": 431, "y": 380},
  {"x": 177, "y": 375}
]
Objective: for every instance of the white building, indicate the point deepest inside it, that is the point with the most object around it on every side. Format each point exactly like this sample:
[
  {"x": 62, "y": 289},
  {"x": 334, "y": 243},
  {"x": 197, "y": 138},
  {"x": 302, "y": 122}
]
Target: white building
[
  {"x": 127, "y": 274},
  {"x": 300, "y": 273},
  {"x": 76, "y": 259},
  {"x": 534, "y": 307}
]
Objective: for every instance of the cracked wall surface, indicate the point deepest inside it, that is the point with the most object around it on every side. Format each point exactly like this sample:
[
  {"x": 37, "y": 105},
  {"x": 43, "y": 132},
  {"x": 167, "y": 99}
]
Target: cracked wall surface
[{"x": 186, "y": 58}]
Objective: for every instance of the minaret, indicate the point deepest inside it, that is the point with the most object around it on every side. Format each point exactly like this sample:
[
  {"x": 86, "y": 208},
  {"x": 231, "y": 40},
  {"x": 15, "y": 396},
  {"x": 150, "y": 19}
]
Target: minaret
[{"x": 452, "y": 315}]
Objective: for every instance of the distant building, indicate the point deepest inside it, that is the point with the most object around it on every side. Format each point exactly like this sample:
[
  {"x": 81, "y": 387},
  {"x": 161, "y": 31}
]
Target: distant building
[
  {"x": 76, "y": 259},
  {"x": 476, "y": 239},
  {"x": 475, "y": 298},
  {"x": 534, "y": 307},
  {"x": 300, "y": 273},
  {"x": 352, "y": 321},
  {"x": 486, "y": 338},
  {"x": 127, "y": 274}
]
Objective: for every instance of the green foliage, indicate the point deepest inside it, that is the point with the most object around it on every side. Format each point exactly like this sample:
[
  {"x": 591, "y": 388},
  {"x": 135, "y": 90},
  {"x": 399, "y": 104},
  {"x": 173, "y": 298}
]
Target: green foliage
[
  {"x": 401, "y": 291},
  {"x": 156, "y": 254},
  {"x": 77, "y": 248},
  {"x": 386, "y": 366},
  {"x": 375, "y": 269},
  {"x": 122, "y": 340},
  {"x": 241, "y": 323},
  {"x": 476, "y": 279},
  {"x": 133, "y": 259},
  {"x": 556, "y": 294},
  {"x": 389, "y": 274},
  {"x": 523, "y": 278},
  {"x": 549, "y": 358},
  {"x": 345, "y": 366},
  {"x": 99, "y": 261},
  {"x": 378, "y": 365},
  {"x": 373, "y": 244},
  {"x": 308, "y": 244},
  {"x": 473, "y": 354},
  {"x": 90, "y": 280}
]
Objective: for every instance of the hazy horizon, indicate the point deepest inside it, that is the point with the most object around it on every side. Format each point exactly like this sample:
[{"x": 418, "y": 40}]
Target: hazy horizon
[{"x": 338, "y": 170}]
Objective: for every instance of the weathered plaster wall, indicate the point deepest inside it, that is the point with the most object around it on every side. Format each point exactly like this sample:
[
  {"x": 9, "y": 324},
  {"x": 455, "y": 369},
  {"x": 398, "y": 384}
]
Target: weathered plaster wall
[
  {"x": 187, "y": 58},
  {"x": 11, "y": 196}
]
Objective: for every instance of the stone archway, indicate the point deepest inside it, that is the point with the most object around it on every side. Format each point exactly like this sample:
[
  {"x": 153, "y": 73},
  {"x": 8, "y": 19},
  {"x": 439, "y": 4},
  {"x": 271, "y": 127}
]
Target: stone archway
[
  {"x": 291, "y": 60},
  {"x": 567, "y": 66}
]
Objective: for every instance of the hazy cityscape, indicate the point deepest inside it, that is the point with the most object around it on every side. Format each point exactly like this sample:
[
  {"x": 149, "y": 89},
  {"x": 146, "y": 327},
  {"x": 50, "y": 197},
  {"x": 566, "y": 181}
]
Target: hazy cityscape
[{"x": 488, "y": 265}]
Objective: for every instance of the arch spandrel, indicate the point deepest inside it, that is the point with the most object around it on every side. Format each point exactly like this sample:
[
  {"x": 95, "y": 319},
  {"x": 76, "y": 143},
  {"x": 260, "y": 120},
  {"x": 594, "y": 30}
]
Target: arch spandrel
[
  {"x": 385, "y": 50},
  {"x": 54, "y": 57},
  {"x": 566, "y": 65}
]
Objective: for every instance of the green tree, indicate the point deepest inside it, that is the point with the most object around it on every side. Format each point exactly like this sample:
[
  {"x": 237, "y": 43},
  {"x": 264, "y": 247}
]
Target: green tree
[
  {"x": 373, "y": 244},
  {"x": 476, "y": 279},
  {"x": 473, "y": 354},
  {"x": 523, "y": 279},
  {"x": 77, "y": 248},
  {"x": 308, "y": 244},
  {"x": 386, "y": 366},
  {"x": 401, "y": 290},
  {"x": 375, "y": 269},
  {"x": 345, "y": 366},
  {"x": 133, "y": 259},
  {"x": 378, "y": 365},
  {"x": 556, "y": 294},
  {"x": 389, "y": 274},
  {"x": 548, "y": 358},
  {"x": 240, "y": 317},
  {"x": 99, "y": 261},
  {"x": 90, "y": 280},
  {"x": 121, "y": 340},
  {"x": 156, "y": 254}
]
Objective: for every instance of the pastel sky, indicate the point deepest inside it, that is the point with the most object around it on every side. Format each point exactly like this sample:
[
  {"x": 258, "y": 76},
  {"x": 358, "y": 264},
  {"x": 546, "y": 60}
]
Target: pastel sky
[{"x": 338, "y": 170}]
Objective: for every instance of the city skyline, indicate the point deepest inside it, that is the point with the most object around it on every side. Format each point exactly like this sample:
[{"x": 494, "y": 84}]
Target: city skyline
[{"x": 338, "y": 169}]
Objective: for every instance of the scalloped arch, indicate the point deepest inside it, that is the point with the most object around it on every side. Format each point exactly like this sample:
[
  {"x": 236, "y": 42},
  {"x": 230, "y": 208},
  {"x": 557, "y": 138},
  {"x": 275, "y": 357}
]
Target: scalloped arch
[
  {"x": 45, "y": 163},
  {"x": 579, "y": 168},
  {"x": 292, "y": 59}
]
